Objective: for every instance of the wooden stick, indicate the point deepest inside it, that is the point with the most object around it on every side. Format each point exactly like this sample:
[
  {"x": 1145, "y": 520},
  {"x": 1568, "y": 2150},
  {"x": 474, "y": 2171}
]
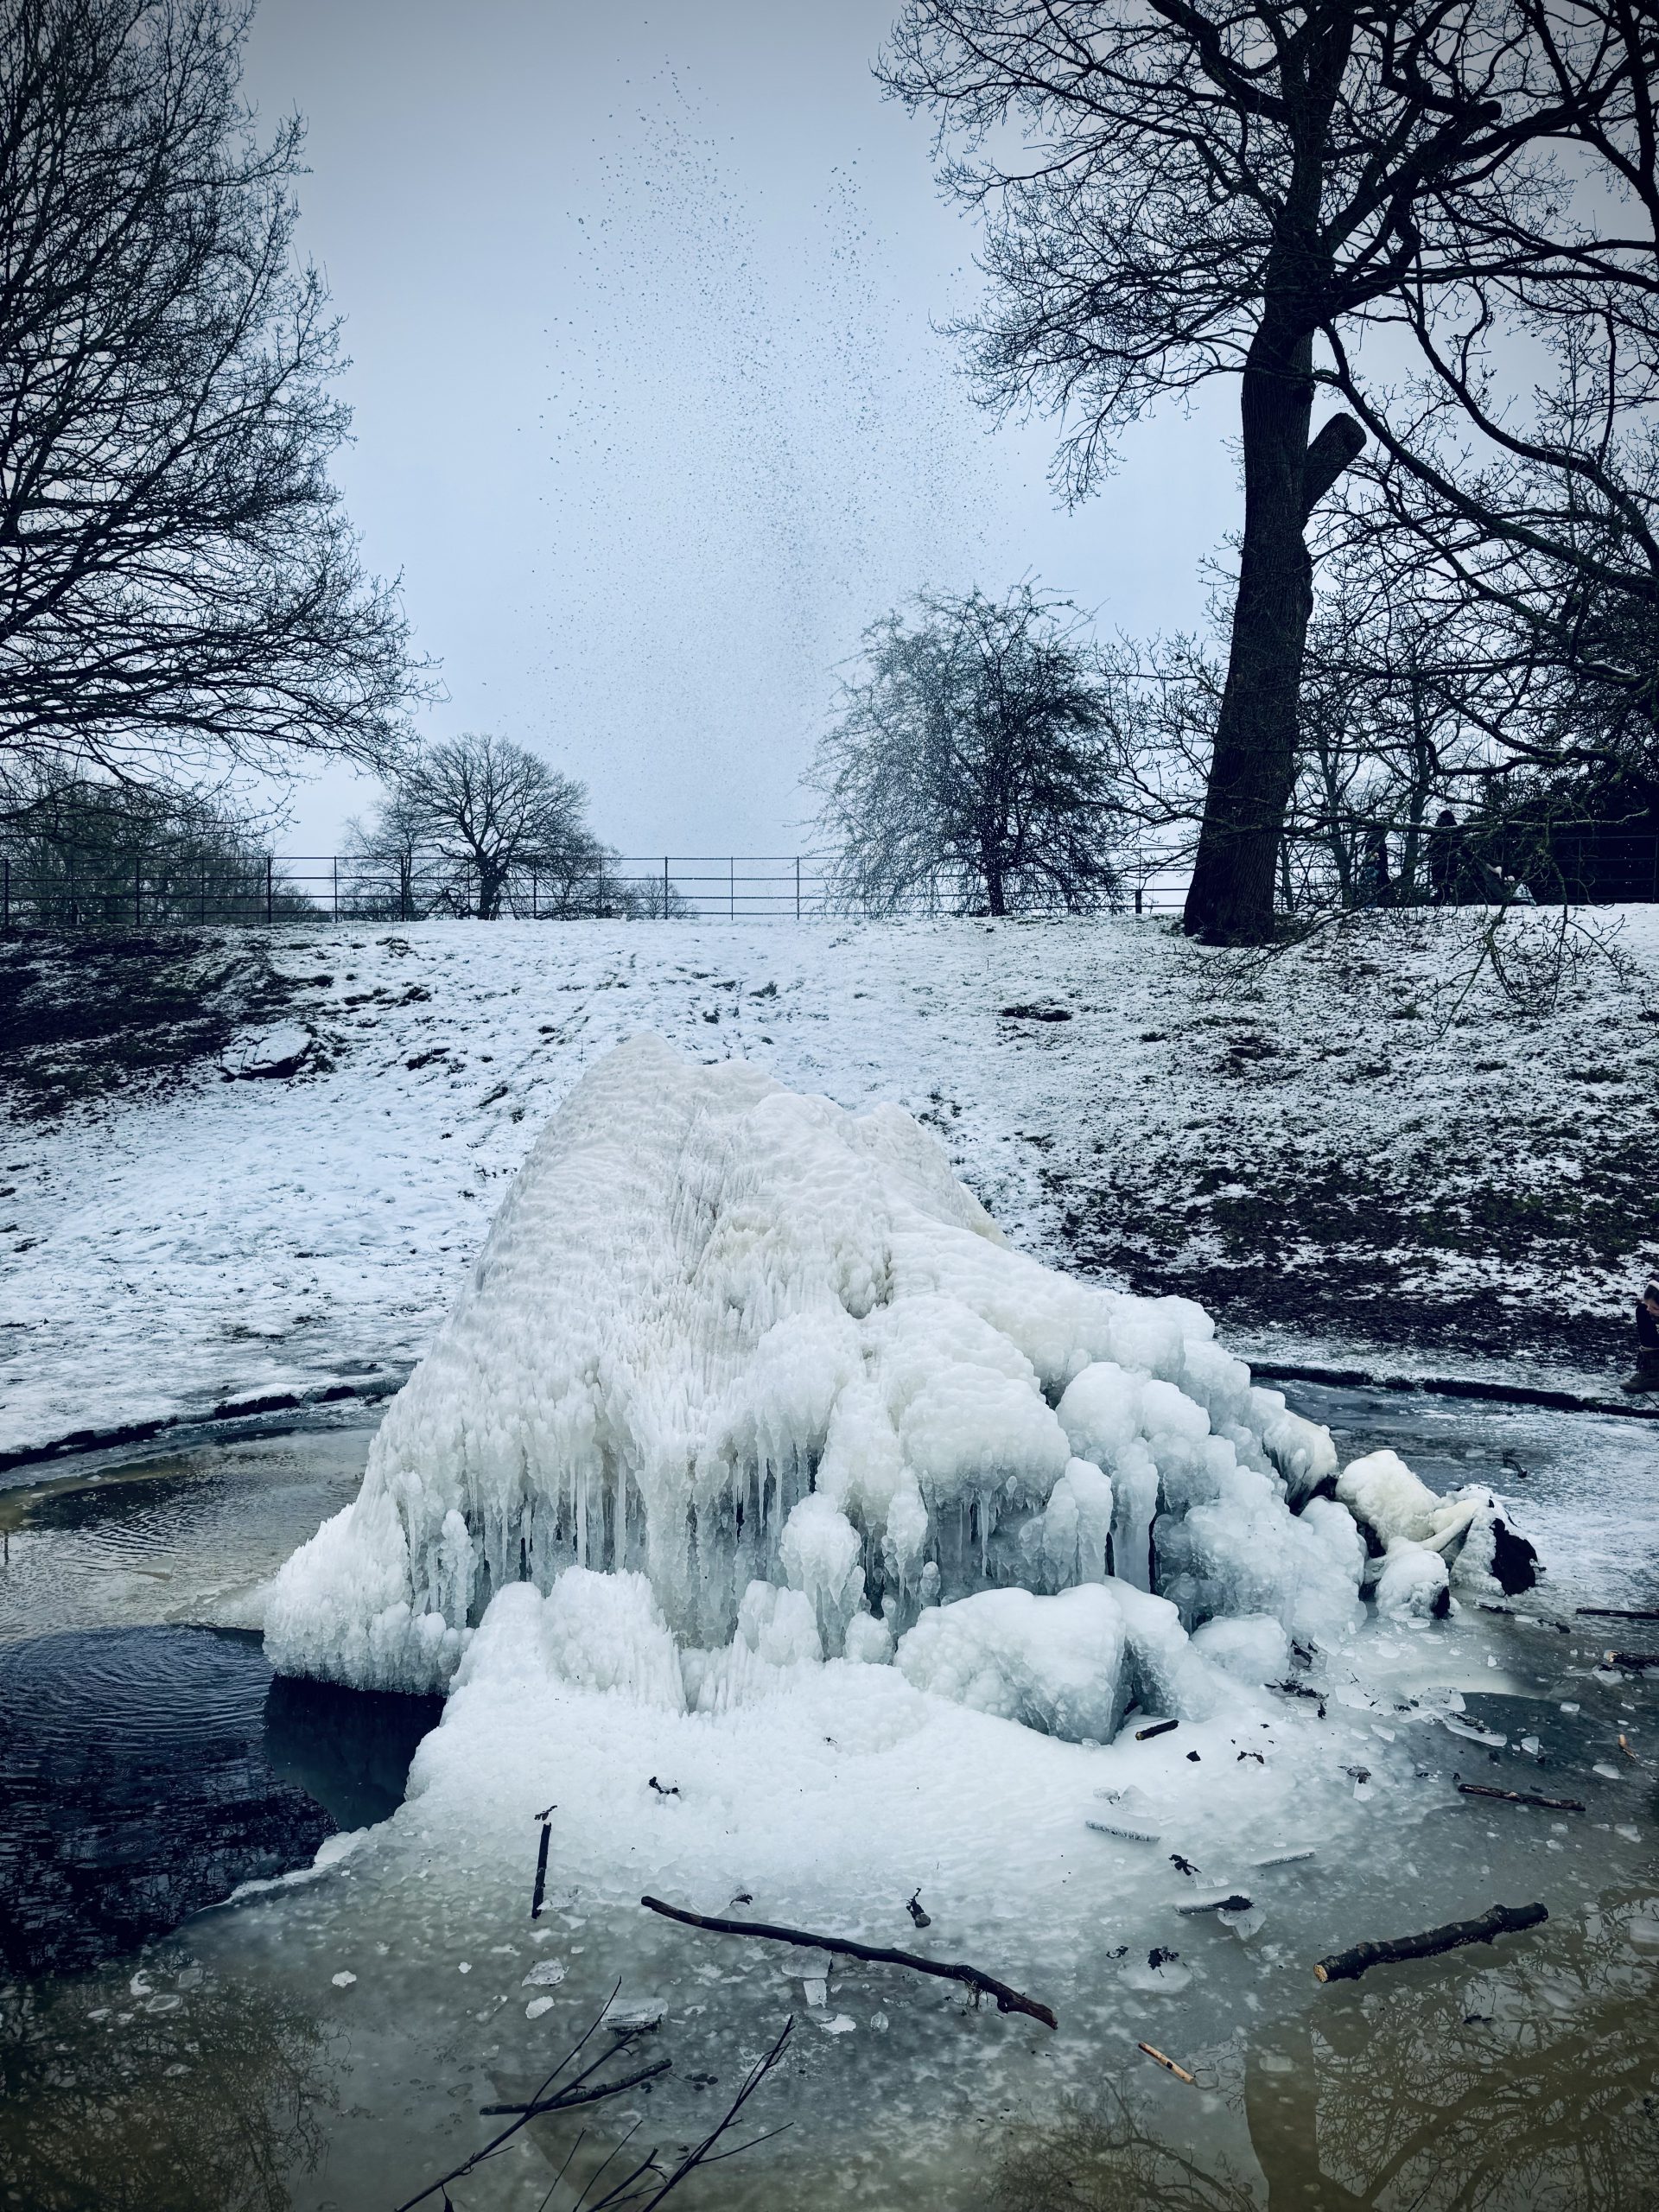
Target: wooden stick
[
  {"x": 1615, "y": 1613},
  {"x": 1234, "y": 1903},
  {"x": 1168, "y": 2064},
  {"x": 1502, "y": 1920},
  {"x": 1286, "y": 1858},
  {"x": 1158, "y": 1728},
  {"x": 1521, "y": 1797},
  {"x": 1634, "y": 1660},
  {"x": 1007, "y": 2000},
  {"x": 541, "y": 1872},
  {"x": 562, "y": 2101},
  {"x": 1129, "y": 1835}
]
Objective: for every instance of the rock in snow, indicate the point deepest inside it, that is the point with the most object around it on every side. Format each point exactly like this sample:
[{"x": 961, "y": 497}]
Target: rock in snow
[{"x": 742, "y": 1382}]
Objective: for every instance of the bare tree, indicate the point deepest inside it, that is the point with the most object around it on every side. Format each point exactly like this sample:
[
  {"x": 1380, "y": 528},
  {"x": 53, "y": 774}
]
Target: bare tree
[
  {"x": 1208, "y": 187},
  {"x": 464, "y": 815},
  {"x": 973, "y": 763},
  {"x": 177, "y": 581}
]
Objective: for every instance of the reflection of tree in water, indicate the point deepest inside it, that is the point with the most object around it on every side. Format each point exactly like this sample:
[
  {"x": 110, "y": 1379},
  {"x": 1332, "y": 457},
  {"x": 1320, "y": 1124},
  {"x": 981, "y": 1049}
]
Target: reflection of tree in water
[
  {"x": 1528, "y": 2085},
  {"x": 203, "y": 2104},
  {"x": 1531, "y": 2087},
  {"x": 1111, "y": 2159}
]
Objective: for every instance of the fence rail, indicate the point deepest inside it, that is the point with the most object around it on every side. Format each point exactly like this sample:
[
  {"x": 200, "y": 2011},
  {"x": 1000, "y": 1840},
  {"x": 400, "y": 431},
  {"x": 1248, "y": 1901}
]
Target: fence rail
[
  {"x": 276, "y": 888},
  {"x": 57, "y": 888}
]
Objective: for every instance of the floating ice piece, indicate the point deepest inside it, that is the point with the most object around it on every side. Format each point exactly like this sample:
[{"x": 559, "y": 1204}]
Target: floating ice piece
[
  {"x": 1474, "y": 1733},
  {"x": 815, "y": 1988},
  {"x": 1607, "y": 1773},
  {"x": 842, "y": 2024},
  {"x": 636, "y": 2016},
  {"x": 1161, "y": 1975},
  {"x": 536, "y": 2006},
  {"x": 343, "y": 1979},
  {"x": 546, "y": 1974},
  {"x": 722, "y": 1337}
]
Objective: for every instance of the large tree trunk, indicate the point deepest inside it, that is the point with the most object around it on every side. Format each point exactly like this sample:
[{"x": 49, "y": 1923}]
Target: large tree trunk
[{"x": 1253, "y": 767}]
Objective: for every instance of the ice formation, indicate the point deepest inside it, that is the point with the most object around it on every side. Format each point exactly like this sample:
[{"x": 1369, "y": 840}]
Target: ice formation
[{"x": 742, "y": 1382}]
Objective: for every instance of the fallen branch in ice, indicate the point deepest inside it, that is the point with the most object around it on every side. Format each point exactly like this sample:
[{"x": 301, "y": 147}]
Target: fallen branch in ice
[
  {"x": 1615, "y": 1613},
  {"x": 1231, "y": 1903},
  {"x": 1129, "y": 1835},
  {"x": 1158, "y": 1728},
  {"x": 1521, "y": 1797},
  {"x": 1168, "y": 2064},
  {"x": 1286, "y": 1858},
  {"x": 1502, "y": 1920},
  {"x": 562, "y": 2100},
  {"x": 1632, "y": 1662},
  {"x": 1007, "y": 2000}
]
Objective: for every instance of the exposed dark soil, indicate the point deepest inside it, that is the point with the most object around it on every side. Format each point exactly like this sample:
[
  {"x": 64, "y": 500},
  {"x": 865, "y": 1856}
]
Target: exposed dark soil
[
  {"x": 84, "y": 1017},
  {"x": 1324, "y": 1250}
]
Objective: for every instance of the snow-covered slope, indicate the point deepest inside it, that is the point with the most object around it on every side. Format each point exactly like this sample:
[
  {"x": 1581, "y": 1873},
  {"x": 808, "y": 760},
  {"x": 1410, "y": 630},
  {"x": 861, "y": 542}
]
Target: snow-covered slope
[{"x": 1305, "y": 1141}]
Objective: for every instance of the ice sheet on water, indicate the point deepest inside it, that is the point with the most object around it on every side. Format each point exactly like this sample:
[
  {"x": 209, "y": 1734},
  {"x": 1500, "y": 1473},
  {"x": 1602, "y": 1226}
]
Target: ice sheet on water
[{"x": 742, "y": 1383}]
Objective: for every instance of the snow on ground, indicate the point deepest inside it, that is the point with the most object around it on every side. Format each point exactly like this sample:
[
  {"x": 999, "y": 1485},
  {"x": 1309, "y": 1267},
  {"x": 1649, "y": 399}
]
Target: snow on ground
[{"x": 1307, "y": 1148}]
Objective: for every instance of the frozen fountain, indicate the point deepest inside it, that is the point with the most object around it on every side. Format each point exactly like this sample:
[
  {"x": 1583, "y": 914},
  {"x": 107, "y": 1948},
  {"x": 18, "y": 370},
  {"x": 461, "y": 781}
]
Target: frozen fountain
[{"x": 742, "y": 1382}]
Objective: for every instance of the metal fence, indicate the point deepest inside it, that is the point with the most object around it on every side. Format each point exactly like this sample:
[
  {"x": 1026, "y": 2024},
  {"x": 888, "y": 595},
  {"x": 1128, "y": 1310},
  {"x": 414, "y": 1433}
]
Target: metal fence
[
  {"x": 1583, "y": 863},
  {"x": 278, "y": 888}
]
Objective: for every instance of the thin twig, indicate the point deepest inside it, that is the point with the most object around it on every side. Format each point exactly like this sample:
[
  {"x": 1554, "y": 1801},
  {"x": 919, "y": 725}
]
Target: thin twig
[
  {"x": 758, "y": 2073},
  {"x": 495, "y": 2143},
  {"x": 563, "y": 2100}
]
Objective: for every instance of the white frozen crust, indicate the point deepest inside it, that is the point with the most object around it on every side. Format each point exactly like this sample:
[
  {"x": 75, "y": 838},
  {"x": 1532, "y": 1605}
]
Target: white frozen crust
[{"x": 769, "y": 1360}]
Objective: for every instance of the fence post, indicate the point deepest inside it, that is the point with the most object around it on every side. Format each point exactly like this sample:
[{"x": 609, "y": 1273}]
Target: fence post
[
  {"x": 5, "y": 890},
  {"x": 271, "y": 904},
  {"x": 336, "y": 869},
  {"x": 137, "y": 892},
  {"x": 533, "y": 916},
  {"x": 665, "y": 886},
  {"x": 731, "y": 888},
  {"x": 798, "y": 886}
]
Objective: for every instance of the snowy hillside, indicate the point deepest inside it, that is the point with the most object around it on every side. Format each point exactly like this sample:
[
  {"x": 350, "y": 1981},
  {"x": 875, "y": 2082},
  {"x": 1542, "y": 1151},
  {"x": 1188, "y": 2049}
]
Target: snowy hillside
[{"x": 1329, "y": 1152}]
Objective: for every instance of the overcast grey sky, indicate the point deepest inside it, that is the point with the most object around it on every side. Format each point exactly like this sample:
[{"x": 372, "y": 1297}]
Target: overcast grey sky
[{"x": 649, "y": 409}]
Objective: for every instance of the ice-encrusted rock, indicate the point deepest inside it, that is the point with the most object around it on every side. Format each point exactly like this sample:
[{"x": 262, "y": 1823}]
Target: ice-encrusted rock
[
  {"x": 1467, "y": 1529},
  {"x": 723, "y": 1335},
  {"x": 1413, "y": 1580}
]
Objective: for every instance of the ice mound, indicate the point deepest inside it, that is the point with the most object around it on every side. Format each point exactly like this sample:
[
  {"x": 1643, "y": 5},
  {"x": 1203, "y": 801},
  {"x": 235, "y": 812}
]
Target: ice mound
[{"x": 741, "y": 1381}]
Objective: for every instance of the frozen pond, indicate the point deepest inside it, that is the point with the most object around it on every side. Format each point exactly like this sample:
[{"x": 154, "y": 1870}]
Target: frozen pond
[{"x": 328, "y": 2041}]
